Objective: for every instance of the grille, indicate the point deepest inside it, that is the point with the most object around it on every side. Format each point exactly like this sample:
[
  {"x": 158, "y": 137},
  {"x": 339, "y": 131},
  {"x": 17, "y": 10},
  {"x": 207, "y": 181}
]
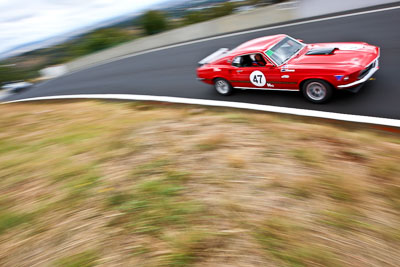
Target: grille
[{"x": 365, "y": 71}]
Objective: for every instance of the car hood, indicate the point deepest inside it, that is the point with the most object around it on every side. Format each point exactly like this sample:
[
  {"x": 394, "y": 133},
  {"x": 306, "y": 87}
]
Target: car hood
[{"x": 355, "y": 54}]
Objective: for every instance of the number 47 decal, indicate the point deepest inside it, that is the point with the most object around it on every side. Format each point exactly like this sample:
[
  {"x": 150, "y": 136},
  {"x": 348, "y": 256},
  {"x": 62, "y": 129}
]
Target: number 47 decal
[{"x": 257, "y": 78}]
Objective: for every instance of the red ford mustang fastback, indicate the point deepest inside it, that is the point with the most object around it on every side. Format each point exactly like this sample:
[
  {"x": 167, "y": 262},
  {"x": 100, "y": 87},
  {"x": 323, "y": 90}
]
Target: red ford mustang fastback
[{"x": 280, "y": 62}]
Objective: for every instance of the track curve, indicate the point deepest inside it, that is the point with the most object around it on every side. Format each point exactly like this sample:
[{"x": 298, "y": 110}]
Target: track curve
[{"x": 172, "y": 71}]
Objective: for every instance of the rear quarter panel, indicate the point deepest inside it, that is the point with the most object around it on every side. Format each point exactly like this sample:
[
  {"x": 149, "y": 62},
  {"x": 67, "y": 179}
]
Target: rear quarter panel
[{"x": 210, "y": 72}]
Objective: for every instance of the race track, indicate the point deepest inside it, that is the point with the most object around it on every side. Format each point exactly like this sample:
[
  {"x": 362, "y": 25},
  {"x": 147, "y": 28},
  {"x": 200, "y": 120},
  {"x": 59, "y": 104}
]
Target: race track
[{"x": 172, "y": 72}]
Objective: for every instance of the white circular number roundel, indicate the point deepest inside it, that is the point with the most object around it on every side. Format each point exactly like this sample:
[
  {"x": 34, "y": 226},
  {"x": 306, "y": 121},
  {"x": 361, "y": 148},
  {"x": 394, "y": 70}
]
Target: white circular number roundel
[{"x": 257, "y": 78}]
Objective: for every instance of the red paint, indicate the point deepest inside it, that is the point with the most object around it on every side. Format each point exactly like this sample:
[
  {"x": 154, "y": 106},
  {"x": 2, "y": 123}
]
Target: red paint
[{"x": 348, "y": 60}]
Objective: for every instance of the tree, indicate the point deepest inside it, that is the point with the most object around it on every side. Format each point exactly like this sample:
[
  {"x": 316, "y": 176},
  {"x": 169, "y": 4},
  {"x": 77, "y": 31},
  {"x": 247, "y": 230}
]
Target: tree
[
  {"x": 223, "y": 10},
  {"x": 104, "y": 38},
  {"x": 10, "y": 74},
  {"x": 194, "y": 17},
  {"x": 98, "y": 40},
  {"x": 154, "y": 21}
]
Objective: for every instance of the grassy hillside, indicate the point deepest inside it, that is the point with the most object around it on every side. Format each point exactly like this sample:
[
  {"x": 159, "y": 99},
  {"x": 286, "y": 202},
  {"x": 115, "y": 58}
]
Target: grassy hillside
[{"x": 135, "y": 184}]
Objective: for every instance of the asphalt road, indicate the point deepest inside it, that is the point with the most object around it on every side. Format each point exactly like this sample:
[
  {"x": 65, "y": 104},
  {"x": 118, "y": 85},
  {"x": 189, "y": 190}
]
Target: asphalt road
[{"x": 172, "y": 72}]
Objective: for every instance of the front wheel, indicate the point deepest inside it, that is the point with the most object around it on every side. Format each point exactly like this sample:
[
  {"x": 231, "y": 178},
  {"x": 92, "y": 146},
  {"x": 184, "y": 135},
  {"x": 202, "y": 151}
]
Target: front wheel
[
  {"x": 223, "y": 86},
  {"x": 317, "y": 91}
]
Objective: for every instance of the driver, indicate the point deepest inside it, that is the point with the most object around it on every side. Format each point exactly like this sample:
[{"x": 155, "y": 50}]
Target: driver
[{"x": 258, "y": 60}]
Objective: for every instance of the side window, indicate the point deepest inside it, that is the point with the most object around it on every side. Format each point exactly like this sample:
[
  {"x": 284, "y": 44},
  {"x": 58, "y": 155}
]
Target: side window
[
  {"x": 258, "y": 60},
  {"x": 252, "y": 60},
  {"x": 237, "y": 62},
  {"x": 242, "y": 61}
]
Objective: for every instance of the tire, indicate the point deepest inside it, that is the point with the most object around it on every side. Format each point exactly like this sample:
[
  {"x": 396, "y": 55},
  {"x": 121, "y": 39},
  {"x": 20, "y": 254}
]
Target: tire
[
  {"x": 317, "y": 91},
  {"x": 222, "y": 86}
]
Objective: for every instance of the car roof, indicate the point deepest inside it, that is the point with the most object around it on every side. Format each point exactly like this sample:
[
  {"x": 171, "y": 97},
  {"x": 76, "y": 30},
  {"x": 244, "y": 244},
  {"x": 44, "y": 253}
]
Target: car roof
[{"x": 257, "y": 45}]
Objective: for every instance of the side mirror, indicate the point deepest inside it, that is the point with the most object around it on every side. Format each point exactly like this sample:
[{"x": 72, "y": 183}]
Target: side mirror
[{"x": 300, "y": 40}]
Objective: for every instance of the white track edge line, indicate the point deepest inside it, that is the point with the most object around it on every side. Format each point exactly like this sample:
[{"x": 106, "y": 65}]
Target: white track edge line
[
  {"x": 232, "y": 34},
  {"x": 218, "y": 103}
]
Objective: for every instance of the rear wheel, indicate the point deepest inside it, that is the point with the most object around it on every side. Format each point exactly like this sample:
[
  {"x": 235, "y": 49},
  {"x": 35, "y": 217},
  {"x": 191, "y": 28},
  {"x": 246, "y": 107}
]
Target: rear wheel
[
  {"x": 222, "y": 86},
  {"x": 317, "y": 91}
]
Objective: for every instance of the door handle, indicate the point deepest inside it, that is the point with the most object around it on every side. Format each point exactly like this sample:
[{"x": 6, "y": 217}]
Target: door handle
[{"x": 239, "y": 70}]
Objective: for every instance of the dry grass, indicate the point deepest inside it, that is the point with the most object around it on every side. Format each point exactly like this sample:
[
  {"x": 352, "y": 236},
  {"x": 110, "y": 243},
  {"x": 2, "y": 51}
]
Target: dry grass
[
  {"x": 137, "y": 184},
  {"x": 288, "y": 244},
  {"x": 236, "y": 161},
  {"x": 212, "y": 142}
]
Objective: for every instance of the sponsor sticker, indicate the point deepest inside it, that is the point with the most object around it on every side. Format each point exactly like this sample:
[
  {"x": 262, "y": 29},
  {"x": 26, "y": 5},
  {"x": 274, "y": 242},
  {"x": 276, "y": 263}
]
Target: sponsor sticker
[
  {"x": 257, "y": 78},
  {"x": 285, "y": 69},
  {"x": 270, "y": 53}
]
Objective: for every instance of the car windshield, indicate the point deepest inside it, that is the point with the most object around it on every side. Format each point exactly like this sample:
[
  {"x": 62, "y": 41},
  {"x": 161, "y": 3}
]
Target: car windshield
[{"x": 284, "y": 50}]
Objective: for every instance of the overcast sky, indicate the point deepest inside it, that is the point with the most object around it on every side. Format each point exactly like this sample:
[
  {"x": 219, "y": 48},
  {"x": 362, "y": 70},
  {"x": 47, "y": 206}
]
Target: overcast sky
[{"x": 25, "y": 21}]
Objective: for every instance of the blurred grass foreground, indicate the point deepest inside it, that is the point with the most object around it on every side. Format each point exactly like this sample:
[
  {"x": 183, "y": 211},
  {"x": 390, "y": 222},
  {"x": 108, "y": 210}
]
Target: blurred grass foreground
[{"x": 134, "y": 184}]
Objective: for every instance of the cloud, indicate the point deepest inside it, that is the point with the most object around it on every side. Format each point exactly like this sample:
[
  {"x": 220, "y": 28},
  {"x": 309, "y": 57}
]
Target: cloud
[
  {"x": 15, "y": 17},
  {"x": 24, "y": 21}
]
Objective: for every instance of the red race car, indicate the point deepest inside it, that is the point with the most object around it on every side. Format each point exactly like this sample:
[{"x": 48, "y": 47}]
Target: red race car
[{"x": 280, "y": 62}]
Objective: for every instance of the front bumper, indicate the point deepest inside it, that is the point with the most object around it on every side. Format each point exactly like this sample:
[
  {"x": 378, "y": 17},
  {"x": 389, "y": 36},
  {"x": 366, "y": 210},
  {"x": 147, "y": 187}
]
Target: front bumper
[
  {"x": 355, "y": 89},
  {"x": 365, "y": 78}
]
